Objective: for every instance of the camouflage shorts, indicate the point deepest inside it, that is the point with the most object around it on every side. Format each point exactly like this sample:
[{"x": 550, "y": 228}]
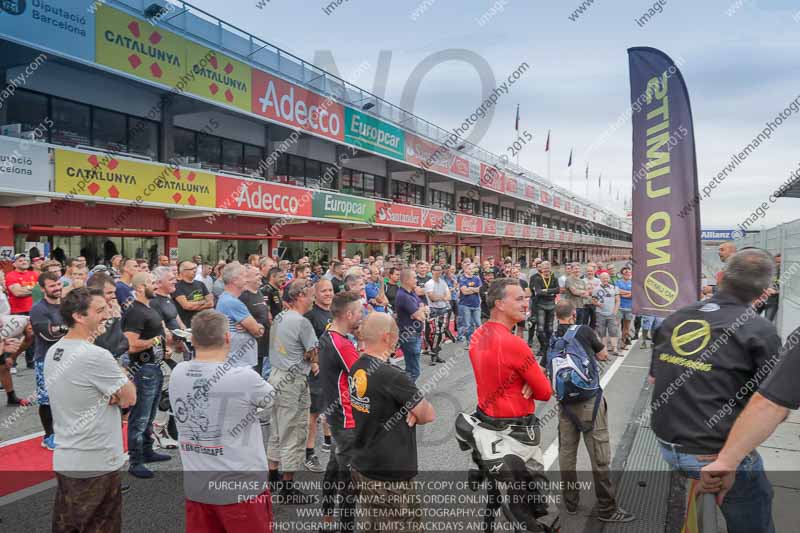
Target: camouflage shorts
[{"x": 90, "y": 505}]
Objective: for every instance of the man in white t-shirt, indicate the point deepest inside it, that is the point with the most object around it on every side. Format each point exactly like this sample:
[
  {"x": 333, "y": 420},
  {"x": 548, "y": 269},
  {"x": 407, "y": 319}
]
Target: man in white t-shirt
[
  {"x": 221, "y": 445},
  {"x": 87, "y": 389},
  {"x": 438, "y": 294}
]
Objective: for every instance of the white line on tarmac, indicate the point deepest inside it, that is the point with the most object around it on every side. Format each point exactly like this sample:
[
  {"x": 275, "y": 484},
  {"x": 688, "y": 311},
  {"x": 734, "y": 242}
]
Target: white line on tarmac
[
  {"x": 21, "y": 439},
  {"x": 551, "y": 454},
  {"x": 28, "y": 491}
]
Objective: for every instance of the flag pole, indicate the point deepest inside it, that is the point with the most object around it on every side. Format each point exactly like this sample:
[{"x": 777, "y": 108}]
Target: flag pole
[
  {"x": 516, "y": 128},
  {"x": 570, "y": 179}
]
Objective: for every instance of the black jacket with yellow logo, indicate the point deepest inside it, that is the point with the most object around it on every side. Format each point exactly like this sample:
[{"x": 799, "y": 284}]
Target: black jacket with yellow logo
[{"x": 708, "y": 359}]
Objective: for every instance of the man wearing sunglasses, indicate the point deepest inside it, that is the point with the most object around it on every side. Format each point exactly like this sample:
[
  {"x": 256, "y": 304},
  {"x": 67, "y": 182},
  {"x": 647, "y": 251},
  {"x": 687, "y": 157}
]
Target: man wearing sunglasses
[{"x": 191, "y": 295}]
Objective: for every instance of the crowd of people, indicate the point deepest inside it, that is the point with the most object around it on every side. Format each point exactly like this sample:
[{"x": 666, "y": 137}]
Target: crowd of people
[
  {"x": 303, "y": 348},
  {"x": 281, "y": 319}
]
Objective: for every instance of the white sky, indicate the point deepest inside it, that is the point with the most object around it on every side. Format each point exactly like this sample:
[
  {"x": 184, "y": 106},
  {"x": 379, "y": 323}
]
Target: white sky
[{"x": 741, "y": 70}]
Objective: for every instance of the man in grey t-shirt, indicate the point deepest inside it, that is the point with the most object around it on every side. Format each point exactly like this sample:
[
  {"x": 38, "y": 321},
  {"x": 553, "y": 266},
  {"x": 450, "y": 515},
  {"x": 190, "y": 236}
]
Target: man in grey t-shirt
[
  {"x": 292, "y": 355},
  {"x": 577, "y": 292},
  {"x": 87, "y": 388},
  {"x": 607, "y": 297},
  {"x": 222, "y": 447}
]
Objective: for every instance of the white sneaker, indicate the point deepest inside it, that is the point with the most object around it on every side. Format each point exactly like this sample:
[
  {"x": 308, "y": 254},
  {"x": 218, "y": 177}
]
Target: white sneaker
[
  {"x": 163, "y": 440},
  {"x": 167, "y": 443}
]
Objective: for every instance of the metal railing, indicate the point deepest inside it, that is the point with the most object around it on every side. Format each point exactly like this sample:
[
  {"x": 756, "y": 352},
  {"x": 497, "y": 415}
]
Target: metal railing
[{"x": 188, "y": 19}]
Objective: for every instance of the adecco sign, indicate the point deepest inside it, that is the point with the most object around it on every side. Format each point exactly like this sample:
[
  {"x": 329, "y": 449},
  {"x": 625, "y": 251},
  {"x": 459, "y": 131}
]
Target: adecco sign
[
  {"x": 294, "y": 106},
  {"x": 260, "y": 197}
]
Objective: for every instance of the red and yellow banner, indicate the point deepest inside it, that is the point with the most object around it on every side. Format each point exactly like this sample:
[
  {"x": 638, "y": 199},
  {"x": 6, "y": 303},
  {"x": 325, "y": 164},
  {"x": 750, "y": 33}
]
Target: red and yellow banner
[
  {"x": 132, "y": 45},
  {"x": 110, "y": 177},
  {"x": 218, "y": 77}
]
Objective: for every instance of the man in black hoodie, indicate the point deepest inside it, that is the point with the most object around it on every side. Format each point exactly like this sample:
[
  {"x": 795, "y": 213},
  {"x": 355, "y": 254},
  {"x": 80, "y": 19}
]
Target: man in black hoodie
[{"x": 544, "y": 286}]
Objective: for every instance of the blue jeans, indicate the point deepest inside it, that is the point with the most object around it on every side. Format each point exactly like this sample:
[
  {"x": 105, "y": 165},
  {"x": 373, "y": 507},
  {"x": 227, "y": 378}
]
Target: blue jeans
[
  {"x": 748, "y": 506},
  {"x": 148, "y": 380},
  {"x": 470, "y": 319},
  {"x": 266, "y": 368},
  {"x": 411, "y": 349}
]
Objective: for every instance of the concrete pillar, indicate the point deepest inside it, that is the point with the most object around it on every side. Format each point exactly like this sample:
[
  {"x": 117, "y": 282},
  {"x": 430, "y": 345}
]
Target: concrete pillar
[
  {"x": 4, "y": 109},
  {"x": 269, "y": 173},
  {"x": 6, "y": 233},
  {"x": 171, "y": 241},
  {"x": 388, "y": 192},
  {"x": 166, "y": 139},
  {"x": 427, "y": 192}
]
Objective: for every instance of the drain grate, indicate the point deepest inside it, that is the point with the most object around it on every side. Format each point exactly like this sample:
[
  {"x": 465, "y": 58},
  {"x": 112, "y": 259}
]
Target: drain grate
[{"x": 644, "y": 487}]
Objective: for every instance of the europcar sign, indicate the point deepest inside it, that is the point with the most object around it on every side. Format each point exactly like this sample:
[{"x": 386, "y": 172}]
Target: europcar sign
[{"x": 373, "y": 134}]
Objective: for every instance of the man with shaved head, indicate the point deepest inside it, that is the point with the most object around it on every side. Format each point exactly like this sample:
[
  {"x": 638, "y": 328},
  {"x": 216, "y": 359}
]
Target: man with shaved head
[
  {"x": 725, "y": 251},
  {"x": 144, "y": 329},
  {"x": 386, "y": 406},
  {"x": 320, "y": 318}
]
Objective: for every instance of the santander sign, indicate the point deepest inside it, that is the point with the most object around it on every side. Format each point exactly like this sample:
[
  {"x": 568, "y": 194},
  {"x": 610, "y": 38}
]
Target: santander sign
[{"x": 295, "y": 106}]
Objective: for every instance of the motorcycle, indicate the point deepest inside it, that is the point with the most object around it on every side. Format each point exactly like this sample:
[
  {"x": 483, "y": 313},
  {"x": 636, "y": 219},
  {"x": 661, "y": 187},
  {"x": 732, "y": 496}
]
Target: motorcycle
[
  {"x": 165, "y": 430},
  {"x": 509, "y": 464}
]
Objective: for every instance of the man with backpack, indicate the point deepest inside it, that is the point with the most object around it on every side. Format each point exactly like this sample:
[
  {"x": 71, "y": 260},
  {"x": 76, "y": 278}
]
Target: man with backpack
[{"x": 575, "y": 377}]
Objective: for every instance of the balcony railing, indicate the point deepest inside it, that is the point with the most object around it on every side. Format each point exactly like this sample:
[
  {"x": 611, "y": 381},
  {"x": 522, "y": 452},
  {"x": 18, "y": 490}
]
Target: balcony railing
[{"x": 203, "y": 26}]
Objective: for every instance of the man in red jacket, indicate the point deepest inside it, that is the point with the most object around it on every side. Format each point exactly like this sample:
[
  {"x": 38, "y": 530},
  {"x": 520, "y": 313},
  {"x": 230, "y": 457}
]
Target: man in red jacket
[
  {"x": 508, "y": 377},
  {"x": 509, "y": 380}
]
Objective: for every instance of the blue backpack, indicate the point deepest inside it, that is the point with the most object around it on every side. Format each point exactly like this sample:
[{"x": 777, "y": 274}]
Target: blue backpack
[{"x": 573, "y": 374}]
